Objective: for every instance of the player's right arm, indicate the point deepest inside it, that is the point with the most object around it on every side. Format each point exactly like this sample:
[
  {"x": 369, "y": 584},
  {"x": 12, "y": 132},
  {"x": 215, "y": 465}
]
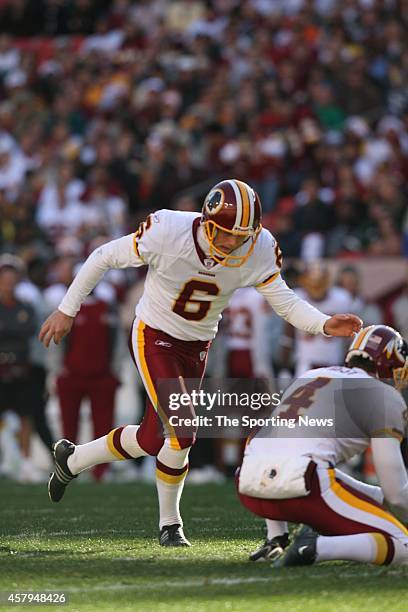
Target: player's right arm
[{"x": 133, "y": 250}]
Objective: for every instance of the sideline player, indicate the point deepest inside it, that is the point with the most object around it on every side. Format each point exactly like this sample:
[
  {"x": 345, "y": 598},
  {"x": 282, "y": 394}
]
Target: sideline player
[
  {"x": 318, "y": 351},
  {"x": 295, "y": 479},
  {"x": 195, "y": 262},
  {"x": 246, "y": 335}
]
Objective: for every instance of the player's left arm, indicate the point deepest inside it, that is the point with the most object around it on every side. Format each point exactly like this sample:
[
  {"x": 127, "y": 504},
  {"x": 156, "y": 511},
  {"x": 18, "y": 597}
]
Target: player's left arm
[
  {"x": 291, "y": 307},
  {"x": 392, "y": 474},
  {"x": 385, "y": 424}
]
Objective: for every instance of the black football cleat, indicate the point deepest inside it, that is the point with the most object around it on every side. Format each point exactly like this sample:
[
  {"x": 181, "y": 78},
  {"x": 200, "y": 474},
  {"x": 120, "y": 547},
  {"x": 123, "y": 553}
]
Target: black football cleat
[
  {"x": 271, "y": 549},
  {"x": 173, "y": 535},
  {"x": 61, "y": 476},
  {"x": 302, "y": 551}
]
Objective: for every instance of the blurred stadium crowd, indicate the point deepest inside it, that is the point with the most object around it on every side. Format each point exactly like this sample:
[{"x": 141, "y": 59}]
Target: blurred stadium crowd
[{"x": 110, "y": 109}]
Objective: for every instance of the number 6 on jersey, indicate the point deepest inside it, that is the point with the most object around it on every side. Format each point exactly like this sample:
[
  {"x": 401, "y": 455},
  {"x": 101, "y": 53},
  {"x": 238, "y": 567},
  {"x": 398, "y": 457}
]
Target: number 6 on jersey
[{"x": 191, "y": 306}]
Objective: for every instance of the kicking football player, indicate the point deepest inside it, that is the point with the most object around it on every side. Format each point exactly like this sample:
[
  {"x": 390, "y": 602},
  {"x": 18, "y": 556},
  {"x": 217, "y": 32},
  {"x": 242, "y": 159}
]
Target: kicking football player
[
  {"x": 287, "y": 479},
  {"x": 195, "y": 262}
]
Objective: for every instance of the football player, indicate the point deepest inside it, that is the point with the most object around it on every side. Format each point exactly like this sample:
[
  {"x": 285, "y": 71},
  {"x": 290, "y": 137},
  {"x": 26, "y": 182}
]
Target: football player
[
  {"x": 195, "y": 262},
  {"x": 294, "y": 479},
  {"x": 313, "y": 351},
  {"x": 246, "y": 335},
  {"x": 246, "y": 356}
]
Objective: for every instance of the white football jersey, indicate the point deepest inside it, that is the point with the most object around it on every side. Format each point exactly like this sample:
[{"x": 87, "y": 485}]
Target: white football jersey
[
  {"x": 313, "y": 351},
  {"x": 247, "y": 318},
  {"x": 361, "y": 407},
  {"x": 185, "y": 291}
]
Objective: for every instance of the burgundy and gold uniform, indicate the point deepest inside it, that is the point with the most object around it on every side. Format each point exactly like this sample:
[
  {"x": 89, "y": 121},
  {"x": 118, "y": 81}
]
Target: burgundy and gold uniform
[
  {"x": 192, "y": 274},
  {"x": 189, "y": 284},
  {"x": 291, "y": 475}
]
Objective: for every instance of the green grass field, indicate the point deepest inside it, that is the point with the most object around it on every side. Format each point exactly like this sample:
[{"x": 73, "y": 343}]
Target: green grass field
[{"x": 100, "y": 547}]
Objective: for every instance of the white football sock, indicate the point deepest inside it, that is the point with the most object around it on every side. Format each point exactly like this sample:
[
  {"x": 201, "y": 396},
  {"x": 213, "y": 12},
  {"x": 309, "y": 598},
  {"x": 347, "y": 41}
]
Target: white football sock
[
  {"x": 172, "y": 467},
  {"x": 363, "y": 547},
  {"x": 360, "y": 547},
  {"x": 275, "y": 528},
  {"x": 106, "y": 449}
]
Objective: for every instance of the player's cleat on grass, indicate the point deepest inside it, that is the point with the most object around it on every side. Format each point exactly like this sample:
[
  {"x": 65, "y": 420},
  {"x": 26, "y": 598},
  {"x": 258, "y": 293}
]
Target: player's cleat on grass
[
  {"x": 173, "y": 535},
  {"x": 302, "y": 551},
  {"x": 61, "y": 475},
  {"x": 271, "y": 549}
]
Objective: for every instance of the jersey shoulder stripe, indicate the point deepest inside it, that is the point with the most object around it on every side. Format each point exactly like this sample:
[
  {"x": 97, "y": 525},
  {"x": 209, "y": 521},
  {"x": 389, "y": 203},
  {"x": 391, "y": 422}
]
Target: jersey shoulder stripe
[
  {"x": 162, "y": 231},
  {"x": 267, "y": 259},
  {"x": 268, "y": 280}
]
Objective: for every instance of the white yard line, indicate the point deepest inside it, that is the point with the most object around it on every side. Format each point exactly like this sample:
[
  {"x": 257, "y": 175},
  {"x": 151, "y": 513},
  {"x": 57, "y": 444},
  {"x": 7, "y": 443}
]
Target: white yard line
[{"x": 206, "y": 582}]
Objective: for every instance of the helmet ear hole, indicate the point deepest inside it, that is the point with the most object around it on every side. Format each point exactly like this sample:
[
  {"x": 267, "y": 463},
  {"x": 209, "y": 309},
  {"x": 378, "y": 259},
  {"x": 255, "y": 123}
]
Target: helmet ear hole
[
  {"x": 401, "y": 374},
  {"x": 403, "y": 349}
]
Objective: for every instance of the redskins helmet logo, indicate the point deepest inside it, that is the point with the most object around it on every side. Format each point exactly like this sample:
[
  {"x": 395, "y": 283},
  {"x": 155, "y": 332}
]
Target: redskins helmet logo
[
  {"x": 214, "y": 201},
  {"x": 389, "y": 349}
]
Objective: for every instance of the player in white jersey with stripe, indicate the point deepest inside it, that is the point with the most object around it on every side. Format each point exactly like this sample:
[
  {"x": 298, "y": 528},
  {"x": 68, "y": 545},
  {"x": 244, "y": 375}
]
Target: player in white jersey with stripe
[
  {"x": 246, "y": 357},
  {"x": 289, "y": 475},
  {"x": 311, "y": 351},
  {"x": 246, "y": 335},
  {"x": 318, "y": 351},
  {"x": 195, "y": 262}
]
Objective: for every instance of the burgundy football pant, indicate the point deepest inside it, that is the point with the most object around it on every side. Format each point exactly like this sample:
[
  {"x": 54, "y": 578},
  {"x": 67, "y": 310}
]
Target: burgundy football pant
[
  {"x": 331, "y": 508},
  {"x": 160, "y": 357}
]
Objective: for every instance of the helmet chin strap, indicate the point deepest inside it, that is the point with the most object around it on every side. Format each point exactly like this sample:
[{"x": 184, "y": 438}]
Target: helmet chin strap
[{"x": 202, "y": 240}]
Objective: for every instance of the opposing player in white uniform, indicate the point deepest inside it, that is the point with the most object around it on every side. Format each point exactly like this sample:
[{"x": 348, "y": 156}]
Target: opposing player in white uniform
[
  {"x": 287, "y": 476},
  {"x": 195, "y": 262}
]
